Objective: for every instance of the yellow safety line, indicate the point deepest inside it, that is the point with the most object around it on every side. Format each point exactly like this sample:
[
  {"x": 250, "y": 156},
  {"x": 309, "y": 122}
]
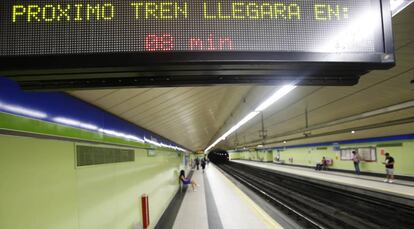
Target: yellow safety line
[{"x": 268, "y": 221}]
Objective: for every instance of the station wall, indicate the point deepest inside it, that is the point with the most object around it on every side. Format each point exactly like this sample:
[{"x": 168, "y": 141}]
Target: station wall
[
  {"x": 265, "y": 156},
  {"x": 41, "y": 109},
  {"x": 310, "y": 155},
  {"x": 42, "y": 187}
]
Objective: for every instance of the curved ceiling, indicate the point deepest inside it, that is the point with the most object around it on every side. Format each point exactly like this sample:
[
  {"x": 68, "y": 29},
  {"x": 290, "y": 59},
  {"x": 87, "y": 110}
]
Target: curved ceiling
[{"x": 195, "y": 116}]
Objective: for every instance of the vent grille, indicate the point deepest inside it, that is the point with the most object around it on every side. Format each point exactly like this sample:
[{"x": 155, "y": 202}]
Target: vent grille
[
  {"x": 92, "y": 155},
  {"x": 394, "y": 144}
]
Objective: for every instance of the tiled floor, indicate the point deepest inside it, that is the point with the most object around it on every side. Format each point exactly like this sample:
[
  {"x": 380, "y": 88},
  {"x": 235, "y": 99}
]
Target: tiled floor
[
  {"x": 230, "y": 204},
  {"x": 193, "y": 211},
  {"x": 399, "y": 188}
]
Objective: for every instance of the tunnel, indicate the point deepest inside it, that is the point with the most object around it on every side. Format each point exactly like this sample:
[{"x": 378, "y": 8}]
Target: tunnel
[{"x": 218, "y": 156}]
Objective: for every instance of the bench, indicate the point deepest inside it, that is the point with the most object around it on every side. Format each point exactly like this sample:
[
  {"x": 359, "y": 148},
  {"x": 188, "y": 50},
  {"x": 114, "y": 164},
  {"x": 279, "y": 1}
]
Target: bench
[
  {"x": 279, "y": 161},
  {"x": 183, "y": 186}
]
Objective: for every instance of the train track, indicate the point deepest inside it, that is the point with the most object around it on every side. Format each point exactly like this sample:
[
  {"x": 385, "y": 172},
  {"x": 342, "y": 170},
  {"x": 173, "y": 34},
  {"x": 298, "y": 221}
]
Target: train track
[{"x": 314, "y": 205}]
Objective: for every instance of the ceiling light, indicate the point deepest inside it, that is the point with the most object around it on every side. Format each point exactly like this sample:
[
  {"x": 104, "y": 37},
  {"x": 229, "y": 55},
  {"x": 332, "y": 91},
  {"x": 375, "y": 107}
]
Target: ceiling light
[
  {"x": 275, "y": 97},
  {"x": 135, "y": 138},
  {"x": 397, "y": 5},
  {"x": 112, "y": 132},
  {"x": 163, "y": 145},
  {"x": 284, "y": 142},
  {"x": 22, "y": 111},
  {"x": 122, "y": 135},
  {"x": 268, "y": 102},
  {"x": 76, "y": 123},
  {"x": 151, "y": 142},
  {"x": 72, "y": 122},
  {"x": 353, "y": 132}
]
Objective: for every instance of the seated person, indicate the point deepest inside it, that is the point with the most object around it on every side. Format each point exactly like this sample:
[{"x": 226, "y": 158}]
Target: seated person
[
  {"x": 187, "y": 181},
  {"x": 277, "y": 158},
  {"x": 321, "y": 165}
]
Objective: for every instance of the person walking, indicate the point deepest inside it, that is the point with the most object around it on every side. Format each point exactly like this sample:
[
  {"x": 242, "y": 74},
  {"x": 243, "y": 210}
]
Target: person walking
[
  {"x": 203, "y": 163},
  {"x": 197, "y": 162},
  {"x": 356, "y": 159},
  {"x": 389, "y": 168}
]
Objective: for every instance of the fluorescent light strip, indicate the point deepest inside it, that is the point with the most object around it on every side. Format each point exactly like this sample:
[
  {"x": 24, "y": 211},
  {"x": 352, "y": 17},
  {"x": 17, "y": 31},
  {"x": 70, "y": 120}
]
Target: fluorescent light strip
[
  {"x": 397, "y": 6},
  {"x": 275, "y": 97},
  {"x": 181, "y": 149},
  {"x": 122, "y": 135},
  {"x": 164, "y": 145},
  {"x": 75, "y": 123},
  {"x": 394, "y": 4},
  {"x": 263, "y": 106},
  {"x": 239, "y": 124},
  {"x": 151, "y": 142},
  {"x": 22, "y": 111},
  {"x": 72, "y": 122},
  {"x": 135, "y": 138}
]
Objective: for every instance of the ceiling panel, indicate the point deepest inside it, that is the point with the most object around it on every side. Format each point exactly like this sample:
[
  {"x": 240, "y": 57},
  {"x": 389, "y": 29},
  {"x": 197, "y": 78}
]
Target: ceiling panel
[
  {"x": 93, "y": 95},
  {"x": 188, "y": 115},
  {"x": 116, "y": 97}
]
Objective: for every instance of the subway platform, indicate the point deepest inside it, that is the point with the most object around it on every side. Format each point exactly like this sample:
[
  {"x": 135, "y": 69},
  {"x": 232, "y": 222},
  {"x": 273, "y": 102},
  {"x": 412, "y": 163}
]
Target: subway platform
[
  {"x": 219, "y": 203},
  {"x": 400, "y": 188}
]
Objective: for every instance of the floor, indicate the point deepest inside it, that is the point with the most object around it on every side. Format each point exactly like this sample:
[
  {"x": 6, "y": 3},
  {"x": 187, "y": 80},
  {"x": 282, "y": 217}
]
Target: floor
[
  {"x": 218, "y": 203},
  {"x": 399, "y": 188}
]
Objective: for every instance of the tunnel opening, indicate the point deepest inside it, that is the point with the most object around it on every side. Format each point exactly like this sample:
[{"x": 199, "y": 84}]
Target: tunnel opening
[{"x": 218, "y": 156}]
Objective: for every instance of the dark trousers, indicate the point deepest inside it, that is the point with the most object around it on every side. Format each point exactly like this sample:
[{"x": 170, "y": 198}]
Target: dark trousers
[
  {"x": 319, "y": 166},
  {"x": 356, "y": 165}
]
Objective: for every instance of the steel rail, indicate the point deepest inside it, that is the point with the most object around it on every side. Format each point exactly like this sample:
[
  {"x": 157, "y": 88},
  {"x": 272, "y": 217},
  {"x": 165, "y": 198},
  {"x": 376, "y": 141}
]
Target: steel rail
[
  {"x": 289, "y": 194},
  {"x": 307, "y": 219}
]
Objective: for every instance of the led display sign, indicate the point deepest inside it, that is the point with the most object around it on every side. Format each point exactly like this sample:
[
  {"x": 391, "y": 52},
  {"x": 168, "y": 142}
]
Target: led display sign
[{"x": 69, "y": 34}]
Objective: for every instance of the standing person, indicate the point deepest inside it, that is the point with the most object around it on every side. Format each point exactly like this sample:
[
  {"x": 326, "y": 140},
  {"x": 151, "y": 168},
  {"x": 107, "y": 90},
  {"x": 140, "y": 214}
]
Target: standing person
[
  {"x": 389, "y": 168},
  {"x": 191, "y": 164},
  {"x": 197, "y": 162},
  {"x": 203, "y": 163},
  {"x": 356, "y": 159}
]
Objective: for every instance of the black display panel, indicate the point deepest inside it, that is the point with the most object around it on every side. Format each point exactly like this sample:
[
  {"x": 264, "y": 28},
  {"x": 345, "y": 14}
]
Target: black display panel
[
  {"x": 68, "y": 34},
  {"x": 95, "y": 26}
]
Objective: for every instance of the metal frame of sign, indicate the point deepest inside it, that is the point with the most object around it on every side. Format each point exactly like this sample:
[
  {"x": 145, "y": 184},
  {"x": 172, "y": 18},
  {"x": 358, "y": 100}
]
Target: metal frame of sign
[{"x": 197, "y": 68}]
